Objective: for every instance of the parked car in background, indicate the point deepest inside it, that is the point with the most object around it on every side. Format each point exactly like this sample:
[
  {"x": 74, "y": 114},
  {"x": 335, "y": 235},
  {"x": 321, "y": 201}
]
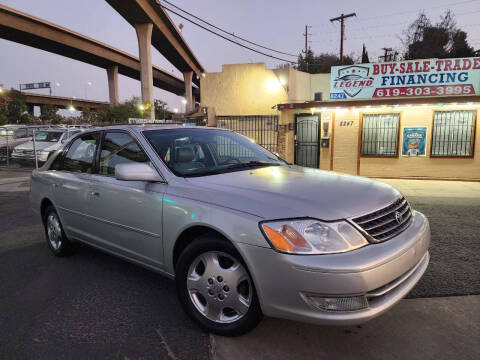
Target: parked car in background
[
  {"x": 14, "y": 135},
  {"x": 46, "y": 143},
  {"x": 244, "y": 233}
]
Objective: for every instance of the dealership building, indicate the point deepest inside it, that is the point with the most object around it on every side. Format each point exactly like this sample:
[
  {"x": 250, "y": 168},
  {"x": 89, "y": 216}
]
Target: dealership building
[{"x": 407, "y": 119}]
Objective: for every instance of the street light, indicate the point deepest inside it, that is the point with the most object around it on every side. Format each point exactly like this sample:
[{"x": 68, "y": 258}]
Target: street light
[
  {"x": 71, "y": 108},
  {"x": 89, "y": 84},
  {"x": 175, "y": 110},
  {"x": 184, "y": 102}
]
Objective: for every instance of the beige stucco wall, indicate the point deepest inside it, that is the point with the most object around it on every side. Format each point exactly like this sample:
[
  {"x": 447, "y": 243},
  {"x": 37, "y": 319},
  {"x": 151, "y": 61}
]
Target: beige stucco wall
[
  {"x": 320, "y": 83},
  {"x": 243, "y": 89},
  {"x": 424, "y": 166}
]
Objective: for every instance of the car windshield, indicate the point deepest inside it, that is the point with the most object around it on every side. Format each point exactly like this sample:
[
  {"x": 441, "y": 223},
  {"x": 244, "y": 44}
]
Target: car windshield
[
  {"x": 201, "y": 152},
  {"x": 48, "y": 136}
]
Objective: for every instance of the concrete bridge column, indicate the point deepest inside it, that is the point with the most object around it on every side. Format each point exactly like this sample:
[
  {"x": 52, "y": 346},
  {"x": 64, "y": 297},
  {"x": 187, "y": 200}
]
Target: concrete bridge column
[
  {"x": 144, "y": 35},
  {"x": 112, "y": 74},
  {"x": 187, "y": 77}
]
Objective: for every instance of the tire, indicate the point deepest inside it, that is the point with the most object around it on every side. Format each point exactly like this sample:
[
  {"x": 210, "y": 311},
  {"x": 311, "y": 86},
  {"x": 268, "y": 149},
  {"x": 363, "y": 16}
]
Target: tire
[
  {"x": 215, "y": 287},
  {"x": 55, "y": 236}
]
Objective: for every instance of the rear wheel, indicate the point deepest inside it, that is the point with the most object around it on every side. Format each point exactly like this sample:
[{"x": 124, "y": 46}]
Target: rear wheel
[
  {"x": 56, "y": 239},
  {"x": 216, "y": 289}
]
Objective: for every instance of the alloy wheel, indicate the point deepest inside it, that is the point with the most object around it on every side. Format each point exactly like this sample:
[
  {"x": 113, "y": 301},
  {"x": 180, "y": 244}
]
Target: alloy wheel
[{"x": 219, "y": 286}]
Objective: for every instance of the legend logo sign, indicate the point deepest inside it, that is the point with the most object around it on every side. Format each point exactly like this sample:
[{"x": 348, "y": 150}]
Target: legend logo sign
[
  {"x": 432, "y": 77},
  {"x": 351, "y": 80}
]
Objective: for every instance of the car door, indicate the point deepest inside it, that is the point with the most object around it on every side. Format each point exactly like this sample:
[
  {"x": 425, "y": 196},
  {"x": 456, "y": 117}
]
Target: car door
[
  {"x": 70, "y": 180},
  {"x": 127, "y": 214}
]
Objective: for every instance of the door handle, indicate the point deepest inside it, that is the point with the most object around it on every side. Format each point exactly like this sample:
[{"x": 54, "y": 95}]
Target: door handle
[{"x": 94, "y": 193}]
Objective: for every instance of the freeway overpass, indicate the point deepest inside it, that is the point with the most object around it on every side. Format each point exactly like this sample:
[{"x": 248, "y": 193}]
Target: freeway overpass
[
  {"x": 29, "y": 30},
  {"x": 155, "y": 28},
  {"x": 61, "y": 102}
]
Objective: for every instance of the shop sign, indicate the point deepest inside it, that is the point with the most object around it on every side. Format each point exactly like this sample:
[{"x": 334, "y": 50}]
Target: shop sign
[
  {"x": 414, "y": 141},
  {"x": 431, "y": 77}
]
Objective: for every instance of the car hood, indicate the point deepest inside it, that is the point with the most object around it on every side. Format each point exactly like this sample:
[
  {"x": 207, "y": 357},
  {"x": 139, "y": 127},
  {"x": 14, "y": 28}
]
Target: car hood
[
  {"x": 277, "y": 192},
  {"x": 39, "y": 145}
]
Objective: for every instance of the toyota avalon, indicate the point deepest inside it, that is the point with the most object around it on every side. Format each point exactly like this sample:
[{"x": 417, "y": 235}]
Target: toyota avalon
[{"x": 243, "y": 233}]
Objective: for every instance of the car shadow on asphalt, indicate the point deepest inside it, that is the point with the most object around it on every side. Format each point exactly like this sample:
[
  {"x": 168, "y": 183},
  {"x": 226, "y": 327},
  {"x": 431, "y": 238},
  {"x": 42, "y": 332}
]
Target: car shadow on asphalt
[{"x": 90, "y": 305}]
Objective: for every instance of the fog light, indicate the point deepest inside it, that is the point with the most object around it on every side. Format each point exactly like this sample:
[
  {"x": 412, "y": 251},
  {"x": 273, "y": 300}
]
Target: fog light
[{"x": 350, "y": 303}]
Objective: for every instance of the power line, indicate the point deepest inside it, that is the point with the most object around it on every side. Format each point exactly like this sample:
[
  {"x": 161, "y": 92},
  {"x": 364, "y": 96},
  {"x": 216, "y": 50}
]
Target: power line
[
  {"x": 225, "y": 38},
  {"x": 227, "y": 32}
]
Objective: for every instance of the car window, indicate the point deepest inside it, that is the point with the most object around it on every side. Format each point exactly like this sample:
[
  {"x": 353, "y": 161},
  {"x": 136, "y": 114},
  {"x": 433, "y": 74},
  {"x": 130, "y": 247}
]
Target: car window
[
  {"x": 199, "y": 152},
  {"x": 119, "y": 148},
  {"x": 48, "y": 136},
  {"x": 81, "y": 155}
]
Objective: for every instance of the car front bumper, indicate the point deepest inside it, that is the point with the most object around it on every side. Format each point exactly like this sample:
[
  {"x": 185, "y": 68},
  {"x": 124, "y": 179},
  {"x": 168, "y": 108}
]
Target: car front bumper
[
  {"x": 383, "y": 273},
  {"x": 41, "y": 156}
]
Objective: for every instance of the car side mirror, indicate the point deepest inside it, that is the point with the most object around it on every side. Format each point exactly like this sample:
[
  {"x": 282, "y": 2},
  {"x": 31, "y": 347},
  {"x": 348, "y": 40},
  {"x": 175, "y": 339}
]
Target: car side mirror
[{"x": 136, "y": 172}]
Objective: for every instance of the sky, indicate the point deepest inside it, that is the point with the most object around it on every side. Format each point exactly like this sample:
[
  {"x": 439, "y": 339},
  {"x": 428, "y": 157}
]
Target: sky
[{"x": 277, "y": 24}]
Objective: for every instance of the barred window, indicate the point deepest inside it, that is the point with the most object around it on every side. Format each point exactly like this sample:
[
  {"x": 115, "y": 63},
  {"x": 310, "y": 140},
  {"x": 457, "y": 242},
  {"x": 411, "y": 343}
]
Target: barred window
[
  {"x": 453, "y": 133},
  {"x": 380, "y": 134}
]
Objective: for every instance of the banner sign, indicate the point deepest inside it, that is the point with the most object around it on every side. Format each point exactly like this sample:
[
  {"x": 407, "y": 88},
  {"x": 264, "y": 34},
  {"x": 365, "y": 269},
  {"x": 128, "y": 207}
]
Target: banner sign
[
  {"x": 432, "y": 77},
  {"x": 414, "y": 141},
  {"x": 34, "y": 86}
]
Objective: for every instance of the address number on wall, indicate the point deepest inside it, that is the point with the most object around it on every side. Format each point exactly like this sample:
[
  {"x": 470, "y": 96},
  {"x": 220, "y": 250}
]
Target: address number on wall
[{"x": 346, "y": 123}]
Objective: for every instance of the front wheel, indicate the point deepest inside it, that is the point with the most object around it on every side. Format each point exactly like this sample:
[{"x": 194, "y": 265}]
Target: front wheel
[
  {"x": 56, "y": 239},
  {"x": 216, "y": 289}
]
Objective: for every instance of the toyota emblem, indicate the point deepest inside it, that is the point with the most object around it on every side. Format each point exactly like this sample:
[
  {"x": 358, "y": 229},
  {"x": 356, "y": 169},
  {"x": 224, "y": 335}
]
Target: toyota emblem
[{"x": 398, "y": 217}]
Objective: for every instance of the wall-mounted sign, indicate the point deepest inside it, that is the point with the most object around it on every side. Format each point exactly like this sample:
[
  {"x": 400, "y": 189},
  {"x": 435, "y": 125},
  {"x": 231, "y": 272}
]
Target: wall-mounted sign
[
  {"x": 432, "y": 77},
  {"x": 34, "y": 86},
  {"x": 414, "y": 141}
]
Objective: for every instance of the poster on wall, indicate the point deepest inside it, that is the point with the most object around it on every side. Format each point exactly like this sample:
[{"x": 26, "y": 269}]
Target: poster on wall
[
  {"x": 414, "y": 141},
  {"x": 430, "y": 77}
]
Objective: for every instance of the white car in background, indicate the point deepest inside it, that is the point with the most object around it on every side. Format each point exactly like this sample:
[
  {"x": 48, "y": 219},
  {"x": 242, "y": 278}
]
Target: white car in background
[
  {"x": 14, "y": 135},
  {"x": 46, "y": 143}
]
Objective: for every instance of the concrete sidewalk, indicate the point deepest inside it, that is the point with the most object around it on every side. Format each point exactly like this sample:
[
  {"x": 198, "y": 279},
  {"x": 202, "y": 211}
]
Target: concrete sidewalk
[
  {"x": 435, "y": 328},
  {"x": 436, "y": 188}
]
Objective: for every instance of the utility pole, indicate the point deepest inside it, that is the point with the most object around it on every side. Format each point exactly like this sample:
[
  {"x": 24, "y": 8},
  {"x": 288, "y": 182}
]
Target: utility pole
[
  {"x": 386, "y": 57},
  {"x": 306, "y": 44},
  {"x": 342, "y": 18},
  {"x": 306, "y": 38}
]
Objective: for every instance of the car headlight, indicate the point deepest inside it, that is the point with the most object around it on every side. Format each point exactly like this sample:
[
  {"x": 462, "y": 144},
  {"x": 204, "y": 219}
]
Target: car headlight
[{"x": 309, "y": 236}]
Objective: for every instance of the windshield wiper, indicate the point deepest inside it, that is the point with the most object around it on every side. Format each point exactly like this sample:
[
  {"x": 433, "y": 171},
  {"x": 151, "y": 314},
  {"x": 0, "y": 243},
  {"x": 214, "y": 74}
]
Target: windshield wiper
[{"x": 251, "y": 164}]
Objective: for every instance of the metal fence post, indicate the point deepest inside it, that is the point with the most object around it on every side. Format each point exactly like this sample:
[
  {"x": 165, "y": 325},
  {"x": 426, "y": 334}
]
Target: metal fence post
[
  {"x": 6, "y": 132},
  {"x": 35, "y": 150}
]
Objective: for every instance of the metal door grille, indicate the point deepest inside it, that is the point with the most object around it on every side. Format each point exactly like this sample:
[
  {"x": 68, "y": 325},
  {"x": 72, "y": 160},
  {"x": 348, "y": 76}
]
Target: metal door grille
[
  {"x": 261, "y": 128},
  {"x": 453, "y": 133},
  {"x": 307, "y": 140},
  {"x": 380, "y": 134}
]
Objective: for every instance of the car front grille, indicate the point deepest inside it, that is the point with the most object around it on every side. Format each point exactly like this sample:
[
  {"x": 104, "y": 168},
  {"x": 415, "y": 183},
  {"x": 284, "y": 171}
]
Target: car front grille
[{"x": 386, "y": 223}]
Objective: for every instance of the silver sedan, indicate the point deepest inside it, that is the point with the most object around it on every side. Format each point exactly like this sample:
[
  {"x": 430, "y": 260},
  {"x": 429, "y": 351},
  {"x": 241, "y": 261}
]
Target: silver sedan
[{"x": 243, "y": 233}]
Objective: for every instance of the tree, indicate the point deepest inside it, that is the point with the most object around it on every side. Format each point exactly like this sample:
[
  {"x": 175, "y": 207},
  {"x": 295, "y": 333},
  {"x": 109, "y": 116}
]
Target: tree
[
  {"x": 120, "y": 113},
  {"x": 315, "y": 64},
  {"x": 365, "y": 59},
  {"x": 161, "y": 110},
  {"x": 423, "y": 40},
  {"x": 48, "y": 113},
  {"x": 27, "y": 118},
  {"x": 16, "y": 105}
]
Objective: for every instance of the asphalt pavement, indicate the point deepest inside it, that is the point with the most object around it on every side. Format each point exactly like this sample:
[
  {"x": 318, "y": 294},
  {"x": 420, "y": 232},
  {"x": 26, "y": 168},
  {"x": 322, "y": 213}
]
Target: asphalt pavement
[{"x": 95, "y": 306}]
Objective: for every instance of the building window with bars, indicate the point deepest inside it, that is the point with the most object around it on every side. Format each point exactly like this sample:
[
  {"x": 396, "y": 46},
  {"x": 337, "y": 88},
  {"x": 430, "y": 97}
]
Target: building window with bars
[
  {"x": 380, "y": 134},
  {"x": 453, "y": 133}
]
